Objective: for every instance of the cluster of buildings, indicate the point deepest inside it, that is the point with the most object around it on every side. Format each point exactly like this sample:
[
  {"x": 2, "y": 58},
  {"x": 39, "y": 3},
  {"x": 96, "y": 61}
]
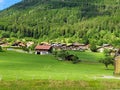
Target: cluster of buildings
[{"x": 46, "y": 48}]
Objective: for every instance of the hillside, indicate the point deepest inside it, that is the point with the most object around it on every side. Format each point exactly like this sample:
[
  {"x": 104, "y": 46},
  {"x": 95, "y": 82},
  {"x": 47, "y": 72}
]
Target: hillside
[{"x": 83, "y": 21}]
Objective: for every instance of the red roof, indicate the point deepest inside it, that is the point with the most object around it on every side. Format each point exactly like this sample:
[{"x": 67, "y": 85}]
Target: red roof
[{"x": 43, "y": 47}]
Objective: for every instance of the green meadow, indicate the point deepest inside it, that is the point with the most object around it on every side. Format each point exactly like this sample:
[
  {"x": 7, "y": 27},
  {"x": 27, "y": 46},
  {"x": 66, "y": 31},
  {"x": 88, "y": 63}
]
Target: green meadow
[
  {"x": 88, "y": 56},
  {"x": 28, "y": 71},
  {"x": 23, "y": 66}
]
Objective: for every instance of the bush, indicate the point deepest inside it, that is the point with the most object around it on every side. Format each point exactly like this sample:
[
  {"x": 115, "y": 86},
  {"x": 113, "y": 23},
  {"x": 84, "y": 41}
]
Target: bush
[
  {"x": 75, "y": 59},
  {"x": 107, "y": 61},
  {"x": 25, "y": 49},
  {"x": 64, "y": 55},
  {"x": 93, "y": 48},
  {"x": 55, "y": 52}
]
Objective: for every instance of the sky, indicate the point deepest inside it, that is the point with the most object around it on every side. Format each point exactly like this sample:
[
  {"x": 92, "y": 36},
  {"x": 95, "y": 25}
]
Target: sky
[{"x": 7, "y": 3}]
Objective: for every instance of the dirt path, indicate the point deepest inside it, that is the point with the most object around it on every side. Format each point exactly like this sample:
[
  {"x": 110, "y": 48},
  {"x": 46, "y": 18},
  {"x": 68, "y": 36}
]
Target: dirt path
[{"x": 109, "y": 77}]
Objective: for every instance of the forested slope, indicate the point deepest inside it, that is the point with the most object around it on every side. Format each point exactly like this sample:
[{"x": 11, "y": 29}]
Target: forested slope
[{"x": 72, "y": 20}]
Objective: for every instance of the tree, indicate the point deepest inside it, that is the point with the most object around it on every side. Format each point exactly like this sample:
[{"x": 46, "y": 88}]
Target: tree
[
  {"x": 25, "y": 49},
  {"x": 64, "y": 55},
  {"x": 13, "y": 34},
  {"x": 73, "y": 58},
  {"x": 93, "y": 47},
  {"x": 107, "y": 61},
  {"x": 107, "y": 52},
  {"x": 5, "y": 34},
  {"x": 0, "y": 48},
  {"x": 85, "y": 40}
]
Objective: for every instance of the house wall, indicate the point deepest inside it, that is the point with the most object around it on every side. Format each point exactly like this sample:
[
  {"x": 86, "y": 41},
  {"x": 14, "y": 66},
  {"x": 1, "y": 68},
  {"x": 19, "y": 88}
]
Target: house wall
[{"x": 42, "y": 52}]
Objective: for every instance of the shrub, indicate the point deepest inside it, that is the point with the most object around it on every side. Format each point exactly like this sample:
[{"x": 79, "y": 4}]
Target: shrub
[
  {"x": 75, "y": 59},
  {"x": 25, "y": 49},
  {"x": 64, "y": 55},
  {"x": 107, "y": 61}
]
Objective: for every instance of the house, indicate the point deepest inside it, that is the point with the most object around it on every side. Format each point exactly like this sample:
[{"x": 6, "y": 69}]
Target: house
[
  {"x": 59, "y": 46},
  {"x": 19, "y": 44},
  {"x": 43, "y": 49},
  {"x": 22, "y": 44},
  {"x": 105, "y": 46},
  {"x": 4, "y": 44},
  {"x": 30, "y": 43},
  {"x": 16, "y": 44},
  {"x": 117, "y": 52},
  {"x": 100, "y": 49},
  {"x": 77, "y": 46},
  {"x": 1, "y": 43}
]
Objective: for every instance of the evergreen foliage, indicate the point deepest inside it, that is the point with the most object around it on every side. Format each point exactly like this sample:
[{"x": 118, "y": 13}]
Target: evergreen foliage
[{"x": 76, "y": 20}]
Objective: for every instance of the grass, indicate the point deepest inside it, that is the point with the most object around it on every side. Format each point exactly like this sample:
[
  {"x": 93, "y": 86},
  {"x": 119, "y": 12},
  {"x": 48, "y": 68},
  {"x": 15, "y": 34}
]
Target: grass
[
  {"x": 15, "y": 65},
  {"x": 60, "y": 85},
  {"x": 88, "y": 56},
  {"x": 24, "y": 71}
]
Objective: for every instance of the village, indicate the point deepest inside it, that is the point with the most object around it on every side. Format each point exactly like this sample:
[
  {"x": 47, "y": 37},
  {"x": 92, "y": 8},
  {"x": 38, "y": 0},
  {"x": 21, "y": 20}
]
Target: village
[{"x": 46, "y": 47}]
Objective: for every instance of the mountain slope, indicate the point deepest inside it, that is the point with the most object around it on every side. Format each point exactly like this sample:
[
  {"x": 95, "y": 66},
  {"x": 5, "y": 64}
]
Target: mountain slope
[{"x": 76, "y": 20}]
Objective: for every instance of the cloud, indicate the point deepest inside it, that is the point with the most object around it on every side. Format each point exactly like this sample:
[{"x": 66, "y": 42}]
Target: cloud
[{"x": 1, "y": 1}]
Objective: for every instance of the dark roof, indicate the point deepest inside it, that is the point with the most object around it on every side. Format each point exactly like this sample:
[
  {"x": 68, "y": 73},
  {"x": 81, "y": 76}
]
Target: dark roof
[{"x": 44, "y": 47}]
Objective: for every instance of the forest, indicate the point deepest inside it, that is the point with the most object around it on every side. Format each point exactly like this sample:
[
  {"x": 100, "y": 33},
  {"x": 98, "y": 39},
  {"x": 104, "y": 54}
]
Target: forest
[{"x": 83, "y": 21}]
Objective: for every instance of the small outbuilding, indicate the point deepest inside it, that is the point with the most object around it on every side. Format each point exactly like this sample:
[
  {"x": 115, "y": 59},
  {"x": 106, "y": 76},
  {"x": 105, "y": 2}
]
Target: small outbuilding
[{"x": 43, "y": 49}]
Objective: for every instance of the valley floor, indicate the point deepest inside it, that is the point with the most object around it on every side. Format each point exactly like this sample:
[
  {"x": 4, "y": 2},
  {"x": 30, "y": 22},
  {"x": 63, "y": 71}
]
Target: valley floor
[
  {"x": 28, "y": 71},
  {"x": 14, "y": 65}
]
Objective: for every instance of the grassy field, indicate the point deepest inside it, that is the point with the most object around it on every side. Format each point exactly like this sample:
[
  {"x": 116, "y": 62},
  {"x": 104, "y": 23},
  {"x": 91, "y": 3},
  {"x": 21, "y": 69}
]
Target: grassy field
[
  {"x": 15, "y": 65},
  {"x": 88, "y": 56},
  {"x": 19, "y": 70}
]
